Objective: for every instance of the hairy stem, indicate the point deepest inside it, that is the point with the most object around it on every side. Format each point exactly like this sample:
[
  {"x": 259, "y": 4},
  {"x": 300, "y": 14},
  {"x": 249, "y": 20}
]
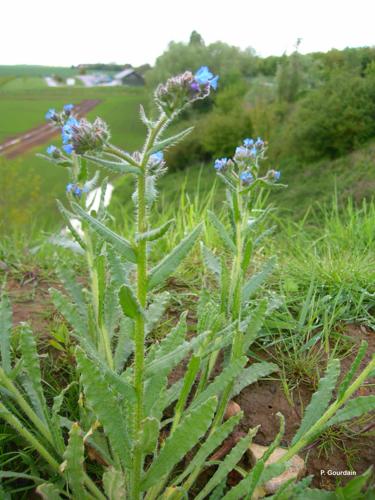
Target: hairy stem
[{"x": 142, "y": 226}]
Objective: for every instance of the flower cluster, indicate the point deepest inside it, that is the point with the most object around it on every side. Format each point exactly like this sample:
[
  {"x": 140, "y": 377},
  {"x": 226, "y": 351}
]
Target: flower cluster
[
  {"x": 243, "y": 169},
  {"x": 76, "y": 190},
  {"x": 59, "y": 118},
  {"x": 79, "y": 136},
  {"x": 180, "y": 90}
]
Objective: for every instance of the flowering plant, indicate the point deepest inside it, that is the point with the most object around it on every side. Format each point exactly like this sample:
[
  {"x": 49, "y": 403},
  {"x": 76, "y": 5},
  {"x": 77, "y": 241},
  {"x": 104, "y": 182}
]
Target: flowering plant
[{"x": 126, "y": 398}]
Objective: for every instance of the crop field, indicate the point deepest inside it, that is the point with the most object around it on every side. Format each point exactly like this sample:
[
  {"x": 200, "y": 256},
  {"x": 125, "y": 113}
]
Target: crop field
[{"x": 206, "y": 331}]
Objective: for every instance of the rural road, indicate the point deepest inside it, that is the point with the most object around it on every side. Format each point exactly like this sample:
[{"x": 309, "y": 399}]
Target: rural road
[{"x": 37, "y": 136}]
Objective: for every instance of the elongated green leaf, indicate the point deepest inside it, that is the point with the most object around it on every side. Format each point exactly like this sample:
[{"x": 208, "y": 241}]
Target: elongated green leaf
[
  {"x": 166, "y": 362},
  {"x": 70, "y": 312},
  {"x": 170, "y": 342},
  {"x": 120, "y": 167},
  {"x": 73, "y": 464},
  {"x": 248, "y": 250},
  {"x": 156, "y": 233},
  {"x": 114, "y": 484},
  {"x": 155, "y": 388},
  {"x": 253, "y": 325},
  {"x": 320, "y": 399},
  {"x": 354, "y": 367},
  {"x": 228, "y": 464},
  {"x": 209, "y": 446},
  {"x": 252, "y": 285},
  {"x": 353, "y": 408},
  {"x": 5, "y": 332},
  {"x": 220, "y": 383},
  {"x": 69, "y": 244},
  {"x": 211, "y": 261},
  {"x": 169, "y": 264},
  {"x": 222, "y": 232},
  {"x": 125, "y": 344},
  {"x": 156, "y": 309},
  {"x": 104, "y": 402},
  {"x": 184, "y": 438},
  {"x": 129, "y": 303},
  {"x": 252, "y": 374},
  {"x": 74, "y": 289},
  {"x": 31, "y": 369},
  {"x": 171, "y": 141},
  {"x": 122, "y": 245},
  {"x": 150, "y": 435}
]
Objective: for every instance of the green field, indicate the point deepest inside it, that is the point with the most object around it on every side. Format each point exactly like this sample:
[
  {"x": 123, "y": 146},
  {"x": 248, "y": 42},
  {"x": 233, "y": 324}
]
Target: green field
[{"x": 31, "y": 185}]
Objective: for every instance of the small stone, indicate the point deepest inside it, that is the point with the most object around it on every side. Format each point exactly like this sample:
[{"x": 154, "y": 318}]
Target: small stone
[
  {"x": 232, "y": 409},
  {"x": 295, "y": 470}
]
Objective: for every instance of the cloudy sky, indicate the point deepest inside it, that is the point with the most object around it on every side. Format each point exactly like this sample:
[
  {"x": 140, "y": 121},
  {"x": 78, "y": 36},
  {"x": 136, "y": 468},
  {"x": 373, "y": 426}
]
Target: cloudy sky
[{"x": 69, "y": 32}]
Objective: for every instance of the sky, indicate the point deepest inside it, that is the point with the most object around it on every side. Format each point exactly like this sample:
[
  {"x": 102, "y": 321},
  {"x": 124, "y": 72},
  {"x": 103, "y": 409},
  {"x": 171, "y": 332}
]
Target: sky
[{"x": 70, "y": 32}]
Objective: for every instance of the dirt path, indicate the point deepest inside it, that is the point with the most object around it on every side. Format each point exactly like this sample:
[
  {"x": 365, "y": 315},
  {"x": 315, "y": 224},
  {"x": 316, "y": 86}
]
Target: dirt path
[{"x": 37, "y": 136}]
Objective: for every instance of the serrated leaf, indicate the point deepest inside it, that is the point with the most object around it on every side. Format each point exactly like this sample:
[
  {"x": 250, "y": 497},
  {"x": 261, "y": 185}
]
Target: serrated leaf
[
  {"x": 252, "y": 374},
  {"x": 125, "y": 344},
  {"x": 67, "y": 243},
  {"x": 354, "y": 367},
  {"x": 209, "y": 446},
  {"x": 184, "y": 438},
  {"x": 171, "y": 141},
  {"x": 129, "y": 303},
  {"x": 156, "y": 309},
  {"x": 73, "y": 464},
  {"x": 221, "y": 381},
  {"x": 211, "y": 261},
  {"x": 5, "y": 332},
  {"x": 320, "y": 399},
  {"x": 150, "y": 435},
  {"x": 105, "y": 403},
  {"x": 120, "y": 167},
  {"x": 253, "y": 324},
  {"x": 353, "y": 408},
  {"x": 114, "y": 484},
  {"x": 69, "y": 312},
  {"x": 222, "y": 232},
  {"x": 156, "y": 233},
  {"x": 227, "y": 465},
  {"x": 31, "y": 369},
  {"x": 122, "y": 245},
  {"x": 252, "y": 285},
  {"x": 169, "y": 264},
  {"x": 170, "y": 342}
]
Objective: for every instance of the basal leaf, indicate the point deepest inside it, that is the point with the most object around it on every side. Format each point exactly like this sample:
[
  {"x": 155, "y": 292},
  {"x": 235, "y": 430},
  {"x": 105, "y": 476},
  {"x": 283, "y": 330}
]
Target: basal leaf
[
  {"x": 184, "y": 438},
  {"x": 320, "y": 399}
]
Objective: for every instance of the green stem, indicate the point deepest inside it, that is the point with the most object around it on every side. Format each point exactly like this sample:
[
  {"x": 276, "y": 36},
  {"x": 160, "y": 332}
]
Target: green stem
[
  {"x": 110, "y": 148},
  {"x": 142, "y": 224},
  {"x": 314, "y": 430}
]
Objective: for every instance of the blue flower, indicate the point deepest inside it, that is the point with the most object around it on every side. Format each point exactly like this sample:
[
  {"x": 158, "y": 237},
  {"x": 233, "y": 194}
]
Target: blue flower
[
  {"x": 78, "y": 191},
  {"x": 68, "y": 108},
  {"x": 259, "y": 142},
  {"x": 241, "y": 151},
  {"x": 51, "y": 149},
  {"x": 158, "y": 157},
  {"x": 220, "y": 164},
  {"x": 253, "y": 151},
  {"x": 248, "y": 142},
  {"x": 69, "y": 187},
  {"x": 68, "y": 148},
  {"x": 276, "y": 175},
  {"x": 50, "y": 115},
  {"x": 204, "y": 76},
  {"x": 246, "y": 177},
  {"x": 67, "y": 129}
]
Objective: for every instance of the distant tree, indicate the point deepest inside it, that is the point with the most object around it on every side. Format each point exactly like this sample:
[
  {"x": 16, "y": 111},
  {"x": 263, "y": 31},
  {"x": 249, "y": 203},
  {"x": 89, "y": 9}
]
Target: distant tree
[{"x": 196, "y": 39}]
